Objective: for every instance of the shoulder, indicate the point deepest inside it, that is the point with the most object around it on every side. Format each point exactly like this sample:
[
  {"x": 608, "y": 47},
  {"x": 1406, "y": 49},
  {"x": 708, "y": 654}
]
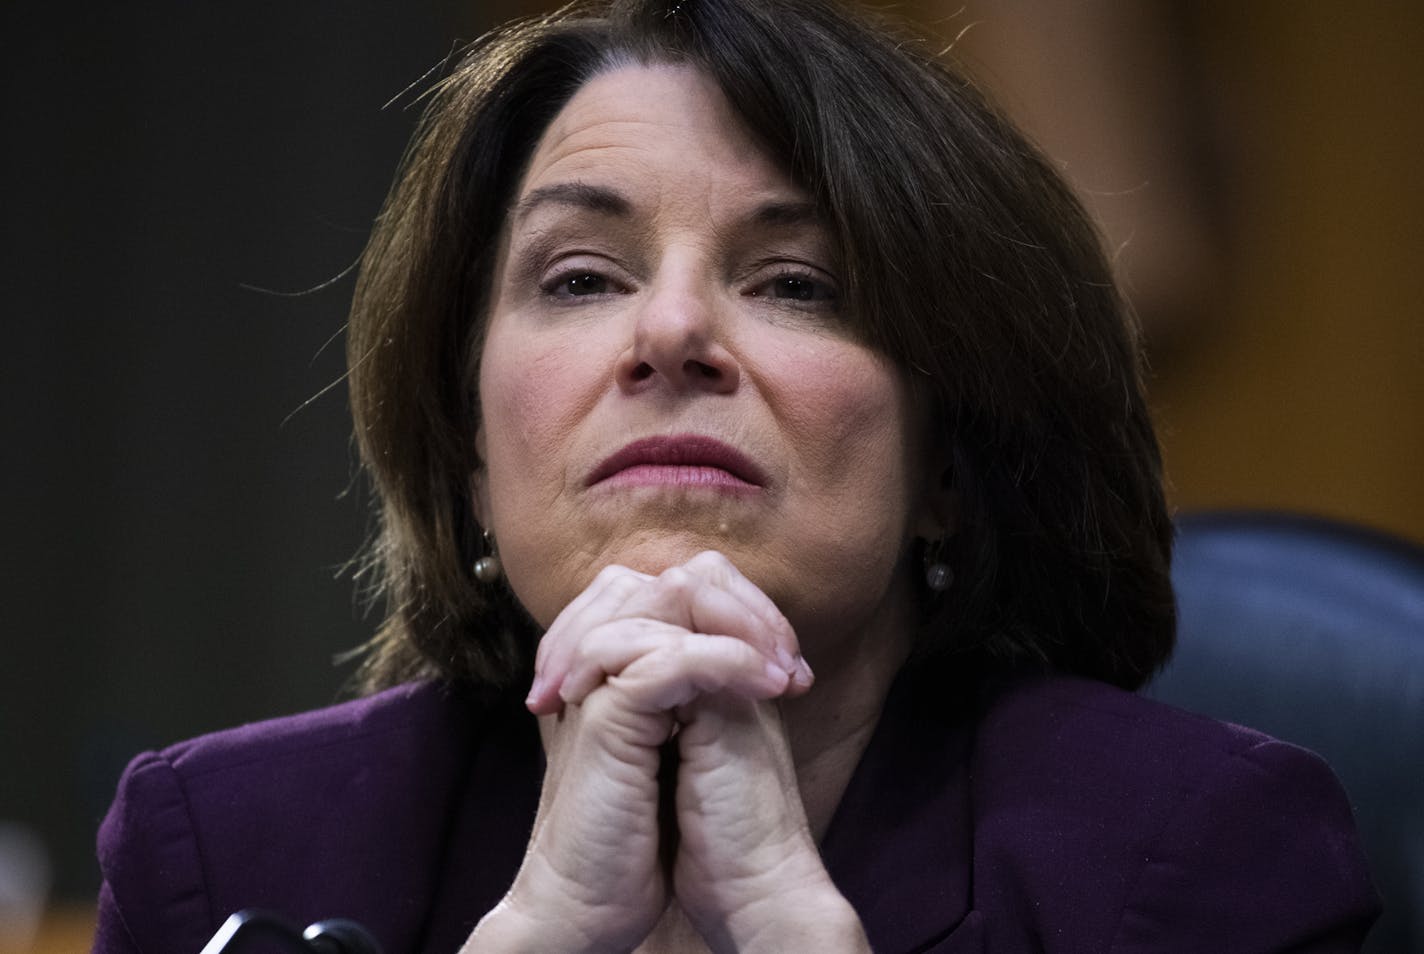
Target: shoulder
[
  {"x": 279, "y": 766},
  {"x": 414, "y": 709},
  {"x": 272, "y": 814},
  {"x": 1134, "y": 820},
  {"x": 1069, "y": 720}
]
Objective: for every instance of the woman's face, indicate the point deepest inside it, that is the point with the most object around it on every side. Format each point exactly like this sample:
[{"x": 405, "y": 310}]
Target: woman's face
[{"x": 668, "y": 369}]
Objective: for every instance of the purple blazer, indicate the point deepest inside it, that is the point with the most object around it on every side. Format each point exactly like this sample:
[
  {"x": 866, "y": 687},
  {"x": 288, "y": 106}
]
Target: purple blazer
[{"x": 1057, "y": 815}]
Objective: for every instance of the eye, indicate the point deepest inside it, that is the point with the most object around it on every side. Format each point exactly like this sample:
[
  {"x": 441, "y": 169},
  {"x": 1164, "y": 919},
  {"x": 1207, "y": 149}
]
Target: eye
[
  {"x": 799, "y": 287},
  {"x": 585, "y": 284},
  {"x": 578, "y": 283}
]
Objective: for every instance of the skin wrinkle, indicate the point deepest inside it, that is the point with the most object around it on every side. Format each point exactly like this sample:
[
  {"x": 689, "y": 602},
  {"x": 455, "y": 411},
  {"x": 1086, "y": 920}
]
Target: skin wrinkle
[
  {"x": 918, "y": 198},
  {"x": 829, "y": 418},
  {"x": 833, "y": 461},
  {"x": 576, "y": 195},
  {"x": 684, "y": 250},
  {"x": 828, "y": 415}
]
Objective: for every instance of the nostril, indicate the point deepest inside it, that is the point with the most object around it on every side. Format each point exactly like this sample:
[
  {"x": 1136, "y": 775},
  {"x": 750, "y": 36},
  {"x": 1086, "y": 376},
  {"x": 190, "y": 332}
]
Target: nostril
[
  {"x": 703, "y": 370},
  {"x": 643, "y": 371}
]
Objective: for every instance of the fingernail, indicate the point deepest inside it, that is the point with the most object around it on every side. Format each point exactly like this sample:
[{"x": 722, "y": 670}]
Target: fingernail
[
  {"x": 804, "y": 676},
  {"x": 787, "y": 661},
  {"x": 536, "y": 690}
]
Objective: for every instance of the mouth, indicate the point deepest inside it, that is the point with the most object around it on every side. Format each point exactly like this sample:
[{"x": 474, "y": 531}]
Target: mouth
[{"x": 684, "y": 460}]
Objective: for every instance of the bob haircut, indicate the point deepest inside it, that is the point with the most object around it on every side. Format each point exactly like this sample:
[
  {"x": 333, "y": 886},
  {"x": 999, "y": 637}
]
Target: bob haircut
[{"x": 965, "y": 259}]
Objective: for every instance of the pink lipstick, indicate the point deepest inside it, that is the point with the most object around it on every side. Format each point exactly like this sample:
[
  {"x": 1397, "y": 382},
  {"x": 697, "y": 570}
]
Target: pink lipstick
[{"x": 680, "y": 460}]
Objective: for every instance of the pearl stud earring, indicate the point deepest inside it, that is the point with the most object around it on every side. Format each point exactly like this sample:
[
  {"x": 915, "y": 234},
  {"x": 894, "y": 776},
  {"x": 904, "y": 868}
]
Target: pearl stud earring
[
  {"x": 938, "y": 575},
  {"x": 487, "y": 568}
]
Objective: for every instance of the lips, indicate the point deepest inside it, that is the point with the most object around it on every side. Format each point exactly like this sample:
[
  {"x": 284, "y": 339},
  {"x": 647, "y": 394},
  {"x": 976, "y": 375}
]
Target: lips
[{"x": 679, "y": 458}]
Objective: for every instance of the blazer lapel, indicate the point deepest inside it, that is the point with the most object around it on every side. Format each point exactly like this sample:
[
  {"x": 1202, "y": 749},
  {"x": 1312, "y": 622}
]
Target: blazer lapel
[
  {"x": 490, "y": 818},
  {"x": 900, "y": 846}
]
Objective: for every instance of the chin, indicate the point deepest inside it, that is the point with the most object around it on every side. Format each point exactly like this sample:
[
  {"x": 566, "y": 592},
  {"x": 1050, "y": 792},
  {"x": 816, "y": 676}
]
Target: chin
[
  {"x": 654, "y": 538},
  {"x": 654, "y": 554},
  {"x": 545, "y": 579}
]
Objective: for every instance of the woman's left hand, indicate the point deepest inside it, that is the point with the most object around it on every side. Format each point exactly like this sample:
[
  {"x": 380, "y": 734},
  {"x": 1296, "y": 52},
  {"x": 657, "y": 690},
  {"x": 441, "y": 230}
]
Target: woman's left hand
[{"x": 747, "y": 871}]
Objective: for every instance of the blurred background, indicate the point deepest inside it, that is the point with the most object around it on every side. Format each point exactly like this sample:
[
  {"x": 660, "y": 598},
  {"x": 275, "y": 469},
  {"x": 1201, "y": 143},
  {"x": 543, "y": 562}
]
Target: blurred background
[{"x": 186, "y": 186}]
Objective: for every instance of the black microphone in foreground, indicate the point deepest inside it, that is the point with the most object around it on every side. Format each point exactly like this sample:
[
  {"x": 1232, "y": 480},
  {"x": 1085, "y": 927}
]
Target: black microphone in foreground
[{"x": 261, "y": 932}]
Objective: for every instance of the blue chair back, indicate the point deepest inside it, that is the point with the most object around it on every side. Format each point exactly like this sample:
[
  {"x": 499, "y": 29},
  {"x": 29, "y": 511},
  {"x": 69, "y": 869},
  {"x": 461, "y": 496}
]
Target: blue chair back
[{"x": 1313, "y": 631}]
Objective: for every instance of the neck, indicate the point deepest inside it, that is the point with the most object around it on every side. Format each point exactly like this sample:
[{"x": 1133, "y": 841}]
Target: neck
[{"x": 831, "y": 725}]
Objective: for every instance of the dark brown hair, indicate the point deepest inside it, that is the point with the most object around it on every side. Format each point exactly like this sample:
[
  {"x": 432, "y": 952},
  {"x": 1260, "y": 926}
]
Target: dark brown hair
[{"x": 967, "y": 261}]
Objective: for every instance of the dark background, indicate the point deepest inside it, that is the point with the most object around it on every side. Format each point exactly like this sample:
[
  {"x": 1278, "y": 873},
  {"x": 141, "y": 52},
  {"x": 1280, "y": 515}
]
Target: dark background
[{"x": 180, "y": 490}]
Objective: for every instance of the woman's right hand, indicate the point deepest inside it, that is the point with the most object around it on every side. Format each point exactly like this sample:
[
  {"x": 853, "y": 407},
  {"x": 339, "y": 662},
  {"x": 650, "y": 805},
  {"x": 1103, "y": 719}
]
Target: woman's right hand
[{"x": 593, "y": 877}]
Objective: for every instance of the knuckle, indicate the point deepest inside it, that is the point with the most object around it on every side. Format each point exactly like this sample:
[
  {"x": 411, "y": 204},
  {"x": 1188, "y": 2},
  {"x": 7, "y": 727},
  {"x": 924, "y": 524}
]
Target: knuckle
[
  {"x": 617, "y": 577},
  {"x": 578, "y": 654},
  {"x": 609, "y": 573},
  {"x": 712, "y": 559},
  {"x": 613, "y": 577},
  {"x": 676, "y": 580},
  {"x": 626, "y": 582},
  {"x": 619, "y": 583}
]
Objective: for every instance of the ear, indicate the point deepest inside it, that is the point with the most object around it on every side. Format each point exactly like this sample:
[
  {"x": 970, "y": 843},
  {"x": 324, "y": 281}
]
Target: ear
[{"x": 938, "y": 512}]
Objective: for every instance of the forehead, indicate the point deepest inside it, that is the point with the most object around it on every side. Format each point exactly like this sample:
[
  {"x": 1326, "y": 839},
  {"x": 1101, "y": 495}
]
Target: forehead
[{"x": 637, "y": 124}]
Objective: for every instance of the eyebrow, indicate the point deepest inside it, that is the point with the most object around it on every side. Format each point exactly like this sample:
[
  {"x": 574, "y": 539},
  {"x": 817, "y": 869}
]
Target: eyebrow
[
  {"x": 580, "y": 195},
  {"x": 606, "y": 201},
  {"x": 787, "y": 213}
]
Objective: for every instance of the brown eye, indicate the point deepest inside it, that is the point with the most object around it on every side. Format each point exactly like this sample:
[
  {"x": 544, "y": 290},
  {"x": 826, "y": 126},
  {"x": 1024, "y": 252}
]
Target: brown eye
[
  {"x": 797, "y": 289},
  {"x": 584, "y": 284},
  {"x": 578, "y": 283}
]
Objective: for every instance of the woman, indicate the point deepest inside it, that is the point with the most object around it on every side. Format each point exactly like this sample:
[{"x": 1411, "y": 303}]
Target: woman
[{"x": 736, "y": 356}]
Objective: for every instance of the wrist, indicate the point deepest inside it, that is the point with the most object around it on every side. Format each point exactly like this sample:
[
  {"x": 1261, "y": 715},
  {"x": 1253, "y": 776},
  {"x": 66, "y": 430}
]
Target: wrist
[
  {"x": 828, "y": 925},
  {"x": 503, "y": 930},
  {"x": 813, "y": 918},
  {"x": 512, "y": 928}
]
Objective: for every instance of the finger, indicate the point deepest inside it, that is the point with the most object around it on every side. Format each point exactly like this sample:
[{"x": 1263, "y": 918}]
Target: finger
[
  {"x": 686, "y": 600},
  {"x": 784, "y": 646},
  {"x": 598, "y": 602},
  {"x": 609, "y": 648},
  {"x": 706, "y": 595},
  {"x": 709, "y": 595},
  {"x": 694, "y": 665},
  {"x": 698, "y": 601},
  {"x": 600, "y": 598}
]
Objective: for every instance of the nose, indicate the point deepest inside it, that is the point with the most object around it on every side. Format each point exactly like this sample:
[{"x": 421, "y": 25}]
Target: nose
[{"x": 678, "y": 342}]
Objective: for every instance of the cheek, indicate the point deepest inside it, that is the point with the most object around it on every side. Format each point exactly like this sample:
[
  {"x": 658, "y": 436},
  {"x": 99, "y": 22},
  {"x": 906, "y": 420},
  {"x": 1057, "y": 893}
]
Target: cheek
[
  {"x": 854, "y": 413},
  {"x": 849, "y": 498},
  {"x": 530, "y": 399}
]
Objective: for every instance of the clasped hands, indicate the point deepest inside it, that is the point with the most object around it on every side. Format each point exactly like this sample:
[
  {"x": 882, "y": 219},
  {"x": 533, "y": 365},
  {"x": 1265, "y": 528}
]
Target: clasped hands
[{"x": 692, "y": 659}]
